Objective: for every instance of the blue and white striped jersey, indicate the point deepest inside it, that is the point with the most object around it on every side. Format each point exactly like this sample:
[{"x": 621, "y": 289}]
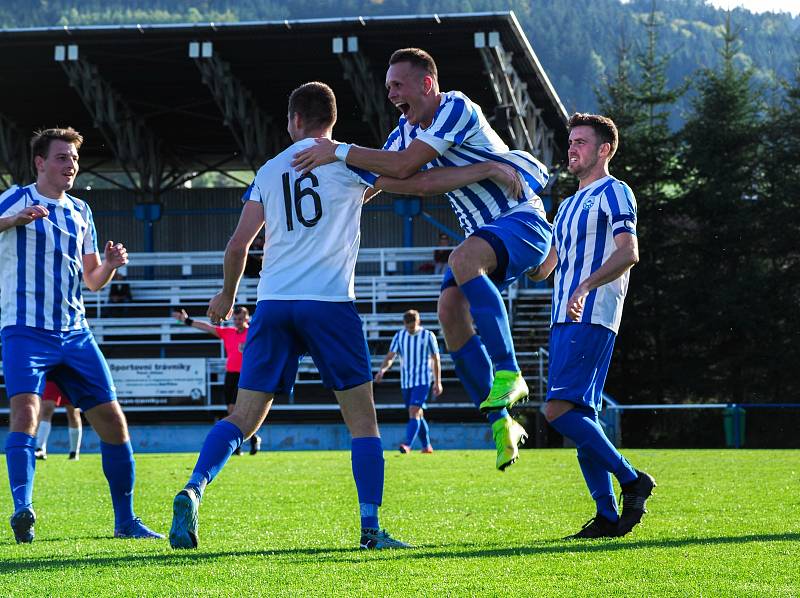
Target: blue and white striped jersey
[
  {"x": 41, "y": 264},
  {"x": 416, "y": 351},
  {"x": 462, "y": 136},
  {"x": 583, "y": 234}
]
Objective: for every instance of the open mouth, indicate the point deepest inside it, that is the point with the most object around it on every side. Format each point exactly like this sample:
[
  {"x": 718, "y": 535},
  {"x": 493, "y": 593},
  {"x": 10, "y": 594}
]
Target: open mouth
[{"x": 402, "y": 107}]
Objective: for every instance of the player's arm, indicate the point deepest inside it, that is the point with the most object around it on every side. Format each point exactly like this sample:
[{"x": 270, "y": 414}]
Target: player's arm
[
  {"x": 545, "y": 268},
  {"x": 184, "y": 318},
  {"x": 23, "y": 217},
  {"x": 397, "y": 164},
  {"x": 385, "y": 366},
  {"x": 437, "y": 374},
  {"x": 250, "y": 222},
  {"x": 97, "y": 274},
  {"x": 622, "y": 259},
  {"x": 441, "y": 180}
]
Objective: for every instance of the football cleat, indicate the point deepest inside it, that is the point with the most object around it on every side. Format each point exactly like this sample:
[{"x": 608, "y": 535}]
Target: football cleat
[
  {"x": 183, "y": 533},
  {"x": 427, "y": 450},
  {"x": 73, "y": 456},
  {"x": 597, "y": 527},
  {"x": 379, "y": 539},
  {"x": 404, "y": 448},
  {"x": 40, "y": 454},
  {"x": 634, "y": 500},
  {"x": 137, "y": 530},
  {"x": 237, "y": 450},
  {"x": 508, "y": 388},
  {"x": 22, "y": 523},
  {"x": 508, "y": 435},
  {"x": 255, "y": 444}
]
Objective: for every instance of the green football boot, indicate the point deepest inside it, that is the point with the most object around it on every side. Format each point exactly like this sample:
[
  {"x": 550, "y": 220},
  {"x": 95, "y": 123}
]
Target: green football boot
[
  {"x": 507, "y": 389},
  {"x": 183, "y": 533},
  {"x": 508, "y": 435}
]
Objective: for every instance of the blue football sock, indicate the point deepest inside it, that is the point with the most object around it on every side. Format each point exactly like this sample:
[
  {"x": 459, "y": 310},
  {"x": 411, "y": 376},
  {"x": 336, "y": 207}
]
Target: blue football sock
[
  {"x": 222, "y": 440},
  {"x": 412, "y": 429},
  {"x": 581, "y": 426},
  {"x": 489, "y": 312},
  {"x": 367, "y": 460},
  {"x": 474, "y": 369},
  {"x": 21, "y": 464},
  {"x": 424, "y": 432},
  {"x": 120, "y": 471},
  {"x": 598, "y": 480}
]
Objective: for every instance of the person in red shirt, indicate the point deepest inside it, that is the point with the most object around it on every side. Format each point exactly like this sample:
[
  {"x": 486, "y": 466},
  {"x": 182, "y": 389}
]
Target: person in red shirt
[
  {"x": 233, "y": 339},
  {"x": 53, "y": 397}
]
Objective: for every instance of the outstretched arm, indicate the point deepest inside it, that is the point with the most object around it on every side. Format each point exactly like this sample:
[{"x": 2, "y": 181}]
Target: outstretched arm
[
  {"x": 184, "y": 318},
  {"x": 436, "y": 181}
]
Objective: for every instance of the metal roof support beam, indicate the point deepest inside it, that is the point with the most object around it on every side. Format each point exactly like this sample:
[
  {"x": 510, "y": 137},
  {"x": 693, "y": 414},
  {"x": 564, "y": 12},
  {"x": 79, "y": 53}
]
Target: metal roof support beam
[
  {"x": 137, "y": 149},
  {"x": 375, "y": 108},
  {"x": 254, "y": 130},
  {"x": 14, "y": 152},
  {"x": 526, "y": 128}
]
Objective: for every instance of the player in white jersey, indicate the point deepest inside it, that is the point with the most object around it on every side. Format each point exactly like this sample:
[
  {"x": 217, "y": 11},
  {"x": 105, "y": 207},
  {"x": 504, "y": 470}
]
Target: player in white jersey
[
  {"x": 506, "y": 234},
  {"x": 305, "y": 305},
  {"x": 594, "y": 247},
  {"x": 420, "y": 375},
  {"x": 48, "y": 244}
]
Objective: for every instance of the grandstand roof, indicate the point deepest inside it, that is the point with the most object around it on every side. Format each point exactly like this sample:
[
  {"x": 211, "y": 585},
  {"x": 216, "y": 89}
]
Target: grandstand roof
[{"x": 139, "y": 82}]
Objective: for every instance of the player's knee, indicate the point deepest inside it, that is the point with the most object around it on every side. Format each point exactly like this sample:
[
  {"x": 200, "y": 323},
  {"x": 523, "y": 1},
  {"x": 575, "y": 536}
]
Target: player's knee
[
  {"x": 555, "y": 409},
  {"x": 414, "y": 412}
]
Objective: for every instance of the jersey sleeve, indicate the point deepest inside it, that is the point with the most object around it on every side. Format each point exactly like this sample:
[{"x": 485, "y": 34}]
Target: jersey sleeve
[
  {"x": 361, "y": 176},
  {"x": 619, "y": 205},
  {"x": 90, "y": 238},
  {"x": 434, "y": 345},
  {"x": 12, "y": 201},
  {"x": 395, "y": 346},
  {"x": 252, "y": 193},
  {"x": 394, "y": 142},
  {"x": 455, "y": 121}
]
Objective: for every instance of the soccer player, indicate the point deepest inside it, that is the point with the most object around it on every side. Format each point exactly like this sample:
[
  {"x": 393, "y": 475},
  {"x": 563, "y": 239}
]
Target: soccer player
[
  {"x": 506, "y": 234},
  {"x": 47, "y": 243},
  {"x": 594, "y": 248},
  {"x": 305, "y": 305},
  {"x": 233, "y": 339},
  {"x": 54, "y": 397},
  {"x": 420, "y": 374}
]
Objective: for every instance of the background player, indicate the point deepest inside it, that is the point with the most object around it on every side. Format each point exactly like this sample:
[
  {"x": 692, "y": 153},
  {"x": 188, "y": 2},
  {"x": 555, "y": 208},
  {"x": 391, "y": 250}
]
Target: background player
[
  {"x": 233, "y": 339},
  {"x": 54, "y": 397},
  {"x": 594, "y": 248},
  {"x": 305, "y": 305},
  {"x": 47, "y": 243},
  {"x": 507, "y": 234},
  {"x": 420, "y": 374}
]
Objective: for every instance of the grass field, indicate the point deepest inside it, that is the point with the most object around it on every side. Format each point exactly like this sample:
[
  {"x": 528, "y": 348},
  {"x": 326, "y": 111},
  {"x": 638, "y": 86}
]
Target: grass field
[{"x": 722, "y": 523}]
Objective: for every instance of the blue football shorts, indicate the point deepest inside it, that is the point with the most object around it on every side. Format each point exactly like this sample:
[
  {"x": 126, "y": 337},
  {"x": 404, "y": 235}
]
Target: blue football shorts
[
  {"x": 71, "y": 359},
  {"x": 281, "y": 332},
  {"x": 579, "y": 358},
  {"x": 520, "y": 241},
  {"x": 417, "y": 396}
]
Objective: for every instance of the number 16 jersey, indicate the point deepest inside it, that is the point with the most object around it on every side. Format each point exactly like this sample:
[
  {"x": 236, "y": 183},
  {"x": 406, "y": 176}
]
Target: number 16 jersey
[{"x": 312, "y": 225}]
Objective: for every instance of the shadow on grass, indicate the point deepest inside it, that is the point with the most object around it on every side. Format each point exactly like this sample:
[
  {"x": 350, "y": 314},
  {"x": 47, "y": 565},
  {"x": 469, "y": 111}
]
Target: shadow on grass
[{"x": 355, "y": 555}]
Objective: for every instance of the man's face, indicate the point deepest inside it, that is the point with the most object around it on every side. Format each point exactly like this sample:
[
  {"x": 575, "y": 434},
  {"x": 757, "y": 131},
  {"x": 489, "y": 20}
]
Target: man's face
[
  {"x": 240, "y": 320},
  {"x": 59, "y": 169},
  {"x": 411, "y": 326},
  {"x": 584, "y": 151},
  {"x": 408, "y": 88}
]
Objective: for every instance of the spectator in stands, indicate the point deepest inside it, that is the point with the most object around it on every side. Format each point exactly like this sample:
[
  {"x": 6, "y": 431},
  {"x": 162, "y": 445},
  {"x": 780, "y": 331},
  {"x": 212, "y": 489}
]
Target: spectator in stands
[
  {"x": 440, "y": 256},
  {"x": 119, "y": 292},
  {"x": 54, "y": 397},
  {"x": 420, "y": 374},
  {"x": 233, "y": 340},
  {"x": 255, "y": 257}
]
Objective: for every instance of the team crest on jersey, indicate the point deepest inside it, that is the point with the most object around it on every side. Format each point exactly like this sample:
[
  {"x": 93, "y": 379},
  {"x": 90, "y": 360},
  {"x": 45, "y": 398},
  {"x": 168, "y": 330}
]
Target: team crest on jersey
[{"x": 588, "y": 203}]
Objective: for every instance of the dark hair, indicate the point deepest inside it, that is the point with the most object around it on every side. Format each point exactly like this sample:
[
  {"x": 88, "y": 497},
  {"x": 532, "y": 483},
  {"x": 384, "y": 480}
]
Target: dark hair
[
  {"x": 316, "y": 103},
  {"x": 41, "y": 140},
  {"x": 604, "y": 128},
  {"x": 241, "y": 309},
  {"x": 412, "y": 315},
  {"x": 418, "y": 58}
]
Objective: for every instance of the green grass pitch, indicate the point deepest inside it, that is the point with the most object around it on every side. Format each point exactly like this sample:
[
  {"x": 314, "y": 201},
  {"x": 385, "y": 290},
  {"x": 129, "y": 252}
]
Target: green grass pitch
[{"x": 722, "y": 523}]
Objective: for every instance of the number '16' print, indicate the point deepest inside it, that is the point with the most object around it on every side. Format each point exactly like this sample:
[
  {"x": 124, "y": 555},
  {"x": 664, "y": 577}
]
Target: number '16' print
[{"x": 293, "y": 201}]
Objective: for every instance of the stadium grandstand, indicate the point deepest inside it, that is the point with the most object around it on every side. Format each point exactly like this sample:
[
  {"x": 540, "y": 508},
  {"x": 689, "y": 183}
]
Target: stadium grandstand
[{"x": 161, "y": 105}]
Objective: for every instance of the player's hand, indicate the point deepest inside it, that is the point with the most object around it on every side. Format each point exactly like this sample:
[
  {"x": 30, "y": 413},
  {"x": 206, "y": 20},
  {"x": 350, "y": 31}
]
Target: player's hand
[
  {"x": 180, "y": 315},
  {"x": 508, "y": 178},
  {"x": 220, "y": 308},
  {"x": 116, "y": 254},
  {"x": 576, "y": 303},
  {"x": 322, "y": 152},
  {"x": 437, "y": 389},
  {"x": 379, "y": 376},
  {"x": 29, "y": 214}
]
